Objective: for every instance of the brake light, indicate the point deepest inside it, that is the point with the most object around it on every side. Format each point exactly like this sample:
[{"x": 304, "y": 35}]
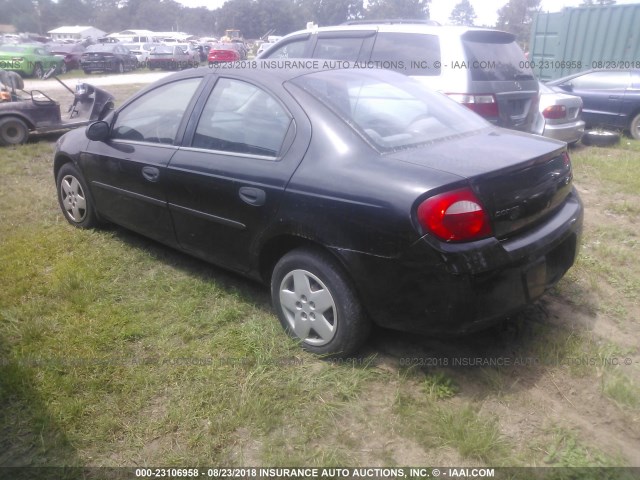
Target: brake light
[
  {"x": 484, "y": 105},
  {"x": 456, "y": 216},
  {"x": 555, "y": 112}
]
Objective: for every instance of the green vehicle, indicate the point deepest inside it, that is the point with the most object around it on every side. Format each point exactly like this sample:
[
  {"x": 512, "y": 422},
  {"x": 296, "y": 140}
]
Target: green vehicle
[{"x": 29, "y": 60}]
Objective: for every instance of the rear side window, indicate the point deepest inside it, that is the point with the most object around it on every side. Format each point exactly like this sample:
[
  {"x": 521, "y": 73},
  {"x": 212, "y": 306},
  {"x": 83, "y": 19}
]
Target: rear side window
[
  {"x": 494, "y": 56},
  {"x": 338, "y": 48},
  {"x": 413, "y": 54},
  {"x": 292, "y": 49},
  {"x": 602, "y": 81}
]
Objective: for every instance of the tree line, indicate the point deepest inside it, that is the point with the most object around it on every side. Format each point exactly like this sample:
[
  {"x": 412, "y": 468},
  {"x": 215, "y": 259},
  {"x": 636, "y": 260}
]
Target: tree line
[{"x": 254, "y": 17}]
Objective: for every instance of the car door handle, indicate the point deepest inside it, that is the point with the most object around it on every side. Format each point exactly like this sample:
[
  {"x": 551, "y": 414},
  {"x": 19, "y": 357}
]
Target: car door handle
[
  {"x": 151, "y": 174},
  {"x": 253, "y": 196},
  {"x": 614, "y": 97}
]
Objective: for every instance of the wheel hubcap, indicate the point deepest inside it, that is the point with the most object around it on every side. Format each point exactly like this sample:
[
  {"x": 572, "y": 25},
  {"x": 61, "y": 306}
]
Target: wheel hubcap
[
  {"x": 309, "y": 307},
  {"x": 73, "y": 199}
]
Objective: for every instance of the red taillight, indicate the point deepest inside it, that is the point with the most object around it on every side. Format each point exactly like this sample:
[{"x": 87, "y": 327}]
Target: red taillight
[
  {"x": 484, "y": 105},
  {"x": 456, "y": 216},
  {"x": 555, "y": 112}
]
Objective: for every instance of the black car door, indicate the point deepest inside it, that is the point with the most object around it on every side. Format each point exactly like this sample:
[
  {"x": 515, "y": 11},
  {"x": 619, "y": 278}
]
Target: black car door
[
  {"x": 225, "y": 186},
  {"x": 126, "y": 173}
]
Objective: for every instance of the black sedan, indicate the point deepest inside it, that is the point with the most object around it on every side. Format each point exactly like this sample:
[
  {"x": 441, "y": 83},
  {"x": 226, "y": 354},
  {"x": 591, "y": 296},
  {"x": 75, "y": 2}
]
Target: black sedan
[
  {"x": 108, "y": 57},
  {"x": 358, "y": 196},
  {"x": 611, "y": 98}
]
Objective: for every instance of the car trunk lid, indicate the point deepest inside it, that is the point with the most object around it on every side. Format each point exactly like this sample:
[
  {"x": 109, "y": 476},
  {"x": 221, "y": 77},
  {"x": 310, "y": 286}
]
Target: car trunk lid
[{"x": 519, "y": 178}]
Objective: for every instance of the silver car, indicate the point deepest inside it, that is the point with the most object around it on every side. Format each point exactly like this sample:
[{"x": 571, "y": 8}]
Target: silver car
[
  {"x": 482, "y": 69},
  {"x": 561, "y": 115}
]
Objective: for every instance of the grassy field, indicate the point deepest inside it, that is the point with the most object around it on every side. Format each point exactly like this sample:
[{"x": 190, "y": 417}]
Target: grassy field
[{"x": 117, "y": 351}]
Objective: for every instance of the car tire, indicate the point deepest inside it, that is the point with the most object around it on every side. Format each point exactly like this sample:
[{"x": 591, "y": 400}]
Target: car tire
[
  {"x": 87, "y": 72},
  {"x": 74, "y": 197},
  {"x": 317, "y": 304},
  {"x": 600, "y": 138},
  {"x": 38, "y": 71},
  {"x": 13, "y": 131},
  {"x": 634, "y": 128}
]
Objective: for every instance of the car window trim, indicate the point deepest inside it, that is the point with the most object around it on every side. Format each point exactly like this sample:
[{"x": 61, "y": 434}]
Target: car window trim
[
  {"x": 347, "y": 34},
  {"x": 225, "y": 153},
  {"x": 119, "y": 141}
]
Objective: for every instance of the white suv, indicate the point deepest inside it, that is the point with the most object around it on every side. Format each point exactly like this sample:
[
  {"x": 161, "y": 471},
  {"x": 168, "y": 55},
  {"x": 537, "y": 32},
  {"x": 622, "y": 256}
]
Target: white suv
[{"x": 481, "y": 68}]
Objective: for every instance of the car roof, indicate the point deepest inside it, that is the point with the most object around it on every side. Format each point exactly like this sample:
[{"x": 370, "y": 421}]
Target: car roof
[
  {"x": 443, "y": 30},
  {"x": 579, "y": 74},
  {"x": 267, "y": 71}
]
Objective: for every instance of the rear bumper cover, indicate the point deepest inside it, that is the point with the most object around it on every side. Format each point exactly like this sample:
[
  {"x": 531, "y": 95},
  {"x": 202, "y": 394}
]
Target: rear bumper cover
[
  {"x": 567, "y": 132},
  {"x": 465, "y": 287}
]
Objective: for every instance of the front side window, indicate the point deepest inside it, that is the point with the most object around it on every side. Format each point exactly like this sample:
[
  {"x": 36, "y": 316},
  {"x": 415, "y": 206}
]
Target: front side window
[
  {"x": 156, "y": 116},
  {"x": 242, "y": 118}
]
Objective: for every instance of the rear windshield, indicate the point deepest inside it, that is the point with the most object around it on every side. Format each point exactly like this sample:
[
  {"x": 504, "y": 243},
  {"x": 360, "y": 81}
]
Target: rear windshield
[
  {"x": 101, "y": 47},
  {"x": 391, "y": 110},
  {"x": 162, "y": 49},
  {"x": 495, "y": 56}
]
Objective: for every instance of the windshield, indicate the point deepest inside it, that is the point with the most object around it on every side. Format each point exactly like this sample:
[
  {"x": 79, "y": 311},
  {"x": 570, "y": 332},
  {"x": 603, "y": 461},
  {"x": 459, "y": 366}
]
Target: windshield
[
  {"x": 392, "y": 111},
  {"x": 493, "y": 55}
]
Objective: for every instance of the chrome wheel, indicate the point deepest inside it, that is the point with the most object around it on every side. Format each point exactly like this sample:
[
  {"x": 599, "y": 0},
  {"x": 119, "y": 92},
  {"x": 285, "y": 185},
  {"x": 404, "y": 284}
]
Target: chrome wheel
[
  {"x": 309, "y": 307},
  {"x": 73, "y": 199}
]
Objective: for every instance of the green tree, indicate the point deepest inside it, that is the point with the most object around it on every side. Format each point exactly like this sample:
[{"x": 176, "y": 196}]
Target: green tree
[
  {"x": 463, "y": 14},
  {"x": 416, "y": 9},
  {"x": 329, "y": 12},
  {"x": 516, "y": 17}
]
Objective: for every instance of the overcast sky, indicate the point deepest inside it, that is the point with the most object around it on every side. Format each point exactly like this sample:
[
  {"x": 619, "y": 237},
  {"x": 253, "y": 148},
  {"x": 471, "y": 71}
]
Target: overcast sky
[{"x": 441, "y": 9}]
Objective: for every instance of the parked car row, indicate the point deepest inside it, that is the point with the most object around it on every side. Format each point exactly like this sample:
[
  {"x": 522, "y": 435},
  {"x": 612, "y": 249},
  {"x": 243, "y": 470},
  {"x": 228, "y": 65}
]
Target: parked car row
[{"x": 33, "y": 60}]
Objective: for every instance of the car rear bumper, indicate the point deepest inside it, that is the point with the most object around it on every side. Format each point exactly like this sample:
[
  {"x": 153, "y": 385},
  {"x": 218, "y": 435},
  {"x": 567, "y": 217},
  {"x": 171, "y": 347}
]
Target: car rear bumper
[
  {"x": 99, "y": 66},
  {"x": 567, "y": 132},
  {"x": 464, "y": 288}
]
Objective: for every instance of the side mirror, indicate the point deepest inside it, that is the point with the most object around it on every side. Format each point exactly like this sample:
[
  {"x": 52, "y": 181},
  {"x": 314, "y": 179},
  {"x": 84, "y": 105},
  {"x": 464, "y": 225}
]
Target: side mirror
[
  {"x": 98, "y": 131},
  {"x": 567, "y": 87}
]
